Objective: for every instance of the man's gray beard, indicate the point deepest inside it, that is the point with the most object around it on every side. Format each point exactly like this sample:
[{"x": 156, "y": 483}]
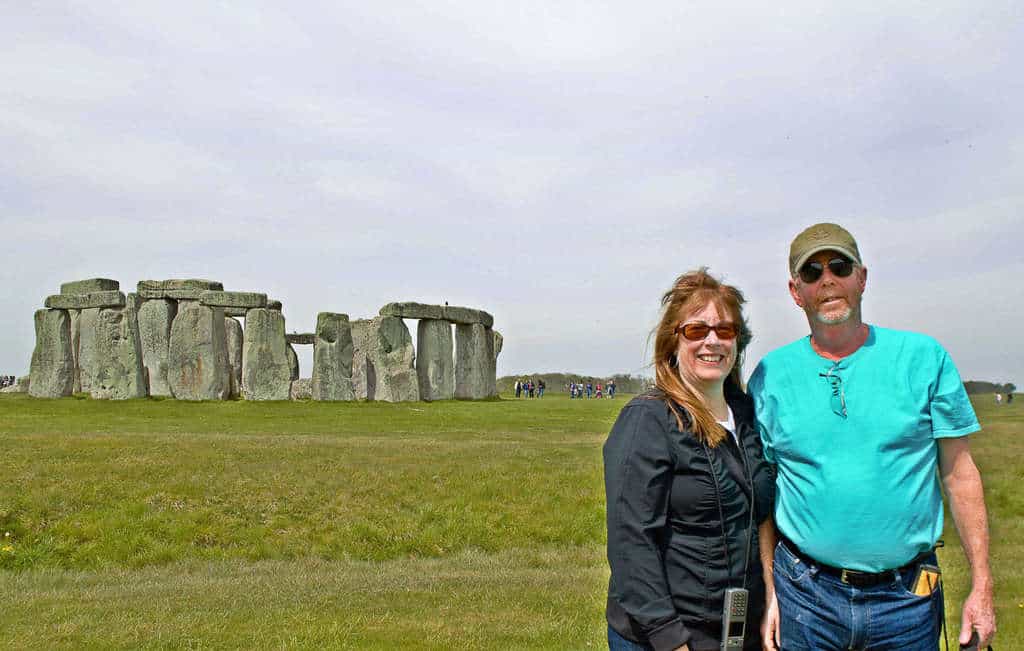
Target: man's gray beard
[{"x": 834, "y": 319}]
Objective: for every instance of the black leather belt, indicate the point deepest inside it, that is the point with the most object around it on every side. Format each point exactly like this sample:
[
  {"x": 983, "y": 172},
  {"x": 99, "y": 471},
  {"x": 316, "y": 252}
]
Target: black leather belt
[{"x": 856, "y": 578}]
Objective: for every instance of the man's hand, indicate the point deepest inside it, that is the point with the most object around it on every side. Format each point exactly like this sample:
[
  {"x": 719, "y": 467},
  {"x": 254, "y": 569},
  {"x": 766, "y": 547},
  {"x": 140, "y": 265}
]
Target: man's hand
[
  {"x": 685, "y": 647},
  {"x": 770, "y": 626},
  {"x": 978, "y": 615}
]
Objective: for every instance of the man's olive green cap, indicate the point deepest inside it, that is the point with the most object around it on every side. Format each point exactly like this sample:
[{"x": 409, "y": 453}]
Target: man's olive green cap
[{"x": 821, "y": 237}]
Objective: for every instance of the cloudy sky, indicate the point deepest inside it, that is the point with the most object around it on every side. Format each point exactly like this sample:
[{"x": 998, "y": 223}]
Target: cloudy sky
[{"x": 557, "y": 164}]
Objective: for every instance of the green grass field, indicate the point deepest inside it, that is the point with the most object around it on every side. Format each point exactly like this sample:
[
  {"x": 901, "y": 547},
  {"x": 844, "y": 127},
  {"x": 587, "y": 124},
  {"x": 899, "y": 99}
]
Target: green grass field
[{"x": 161, "y": 524}]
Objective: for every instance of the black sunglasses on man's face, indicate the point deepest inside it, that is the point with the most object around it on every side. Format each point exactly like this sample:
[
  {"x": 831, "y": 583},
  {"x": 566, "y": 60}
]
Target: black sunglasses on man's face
[{"x": 840, "y": 268}]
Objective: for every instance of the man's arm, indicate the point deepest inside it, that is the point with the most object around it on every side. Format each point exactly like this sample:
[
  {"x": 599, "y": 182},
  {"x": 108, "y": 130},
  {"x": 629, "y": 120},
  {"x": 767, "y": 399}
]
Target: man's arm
[
  {"x": 767, "y": 540},
  {"x": 962, "y": 482}
]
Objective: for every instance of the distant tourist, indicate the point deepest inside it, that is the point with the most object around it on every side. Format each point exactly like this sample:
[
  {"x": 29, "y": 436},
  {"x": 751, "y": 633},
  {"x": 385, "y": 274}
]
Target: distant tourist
[
  {"x": 686, "y": 483},
  {"x": 590, "y": 389},
  {"x": 865, "y": 426},
  {"x": 611, "y": 388},
  {"x": 598, "y": 394},
  {"x": 540, "y": 388},
  {"x": 1009, "y": 397},
  {"x": 999, "y": 398},
  {"x": 519, "y": 389}
]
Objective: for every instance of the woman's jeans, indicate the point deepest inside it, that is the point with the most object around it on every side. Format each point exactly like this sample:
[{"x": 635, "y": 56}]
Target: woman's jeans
[
  {"x": 818, "y": 612},
  {"x": 618, "y": 643}
]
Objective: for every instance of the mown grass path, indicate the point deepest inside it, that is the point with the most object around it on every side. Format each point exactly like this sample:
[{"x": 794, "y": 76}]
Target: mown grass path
[{"x": 161, "y": 524}]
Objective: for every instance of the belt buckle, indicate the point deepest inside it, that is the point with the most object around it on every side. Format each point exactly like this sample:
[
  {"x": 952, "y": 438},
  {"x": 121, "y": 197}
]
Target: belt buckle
[{"x": 843, "y": 576}]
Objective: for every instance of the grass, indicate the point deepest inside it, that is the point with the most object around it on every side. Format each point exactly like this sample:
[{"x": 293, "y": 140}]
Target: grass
[{"x": 163, "y": 524}]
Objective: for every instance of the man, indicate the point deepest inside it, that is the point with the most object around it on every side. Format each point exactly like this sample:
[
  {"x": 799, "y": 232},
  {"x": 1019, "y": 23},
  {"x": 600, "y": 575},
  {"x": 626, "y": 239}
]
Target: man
[{"x": 856, "y": 419}]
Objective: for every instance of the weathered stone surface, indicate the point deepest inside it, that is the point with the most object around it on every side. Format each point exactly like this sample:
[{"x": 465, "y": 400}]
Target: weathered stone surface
[
  {"x": 302, "y": 389},
  {"x": 235, "y": 311},
  {"x": 273, "y": 305},
  {"x": 247, "y": 300},
  {"x": 197, "y": 353},
  {"x": 178, "y": 284},
  {"x": 435, "y": 370},
  {"x": 465, "y": 315},
  {"x": 293, "y": 361},
  {"x": 155, "y": 319},
  {"x": 492, "y": 364},
  {"x": 332, "y": 358},
  {"x": 110, "y": 352},
  {"x": 413, "y": 311},
  {"x": 76, "y": 336},
  {"x": 89, "y": 286},
  {"x": 302, "y": 338},
  {"x": 265, "y": 371},
  {"x": 85, "y": 301},
  {"x": 233, "y": 333},
  {"x": 53, "y": 365},
  {"x": 499, "y": 341},
  {"x": 173, "y": 294},
  {"x": 474, "y": 359},
  {"x": 383, "y": 360}
]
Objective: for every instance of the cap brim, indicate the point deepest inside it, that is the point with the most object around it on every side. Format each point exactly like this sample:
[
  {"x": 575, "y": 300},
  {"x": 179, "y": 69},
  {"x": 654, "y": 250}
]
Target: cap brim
[{"x": 802, "y": 260}]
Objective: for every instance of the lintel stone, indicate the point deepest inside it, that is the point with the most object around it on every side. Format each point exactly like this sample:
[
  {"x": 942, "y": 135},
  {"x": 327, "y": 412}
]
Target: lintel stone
[
  {"x": 112, "y": 298},
  {"x": 301, "y": 338},
  {"x": 413, "y": 311},
  {"x": 89, "y": 286},
  {"x": 179, "y": 283},
  {"x": 218, "y": 298}
]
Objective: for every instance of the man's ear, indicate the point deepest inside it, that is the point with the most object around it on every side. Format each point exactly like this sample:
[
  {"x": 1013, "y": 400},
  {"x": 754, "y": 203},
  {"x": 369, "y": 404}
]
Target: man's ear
[
  {"x": 863, "y": 279},
  {"x": 795, "y": 294}
]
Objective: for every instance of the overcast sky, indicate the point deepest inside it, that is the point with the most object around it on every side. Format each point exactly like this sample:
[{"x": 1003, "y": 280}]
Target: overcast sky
[{"x": 557, "y": 164}]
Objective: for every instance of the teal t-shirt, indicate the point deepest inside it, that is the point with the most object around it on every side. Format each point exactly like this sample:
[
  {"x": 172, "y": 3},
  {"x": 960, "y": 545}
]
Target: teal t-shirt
[{"x": 860, "y": 491}]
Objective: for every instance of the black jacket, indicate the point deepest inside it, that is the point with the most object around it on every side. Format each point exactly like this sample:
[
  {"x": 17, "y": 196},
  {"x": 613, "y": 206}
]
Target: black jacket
[{"x": 668, "y": 568}]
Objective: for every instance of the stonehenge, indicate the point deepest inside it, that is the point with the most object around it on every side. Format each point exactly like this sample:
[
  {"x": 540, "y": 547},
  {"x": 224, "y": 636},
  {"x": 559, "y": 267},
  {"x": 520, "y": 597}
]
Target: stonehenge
[{"x": 184, "y": 339}]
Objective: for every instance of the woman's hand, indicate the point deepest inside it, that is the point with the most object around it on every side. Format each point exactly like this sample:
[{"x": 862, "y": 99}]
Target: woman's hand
[
  {"x": 685, "y": 647},
  {"x": 770, "y": 640}
]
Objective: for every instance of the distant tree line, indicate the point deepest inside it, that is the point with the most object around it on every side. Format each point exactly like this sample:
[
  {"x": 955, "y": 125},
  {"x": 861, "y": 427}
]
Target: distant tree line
[
  {"x": 559, "y": 382},
  {"x": 980, "y": 386}
]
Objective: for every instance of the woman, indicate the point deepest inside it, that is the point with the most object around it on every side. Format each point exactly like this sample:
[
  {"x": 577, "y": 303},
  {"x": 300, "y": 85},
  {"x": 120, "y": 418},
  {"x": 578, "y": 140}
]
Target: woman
[{"x": 685, "y": 482}]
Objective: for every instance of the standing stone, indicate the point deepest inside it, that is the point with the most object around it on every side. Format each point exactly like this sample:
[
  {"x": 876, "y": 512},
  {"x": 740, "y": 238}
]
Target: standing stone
[
  {"x": 53, "y": 365},
  {"x": 110, "y": 352},
  {"x": 332, "y": 358},
  {"x": 473, "y": 358},
  {"x": 76, "y": 337},
  {"x": 383, "y": 360},
  {"x": 293, "y": 361},
  {"x": 499, "y": 341},
  {"x": 266, "y": 374},
  {"x": 155, "y": 319},
  {"x": 492, "y": 363},
  {"x": 197, "y": 353},
  {"x": 435, "y": 370},
  {"x": 233, "y": 331},
  {"x": 302, "y": 389}
]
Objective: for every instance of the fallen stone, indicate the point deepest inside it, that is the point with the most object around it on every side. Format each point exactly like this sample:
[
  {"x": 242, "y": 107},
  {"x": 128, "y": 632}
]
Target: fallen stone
[
  {"x": 301, "y": 338},
  {"x": 413, "y": 311},
  {"x": 301, "y": 389},
  {"x": 332, "y": 358},
  {"x": 474, "y": 358},
  {"x": 383, "y": 360},
  {"x": 90, "y": 286},
  {"x": 233, "y": 333},
  {"x": 246, "y": 300},
  {"x": 85, "y": 301},
  {"x": 273, "y": 305},
  {"x": 197, "y": 353},
  {"x": 265, "y": 370},
  {"x": 19, "y": 386},
  {"x": 155, "y": 319},
  {"x": 435, "y": 371},
  {"x": 293, "y": 362},
  {"x": 52, "y": 369},
  {"x": 110, "y": 352}
]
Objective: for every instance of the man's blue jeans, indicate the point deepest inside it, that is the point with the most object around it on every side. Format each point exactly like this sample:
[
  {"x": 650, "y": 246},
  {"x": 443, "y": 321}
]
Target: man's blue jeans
[
  {"x": 618, "y": 643},
  {"x": 818, "y": 612}
]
